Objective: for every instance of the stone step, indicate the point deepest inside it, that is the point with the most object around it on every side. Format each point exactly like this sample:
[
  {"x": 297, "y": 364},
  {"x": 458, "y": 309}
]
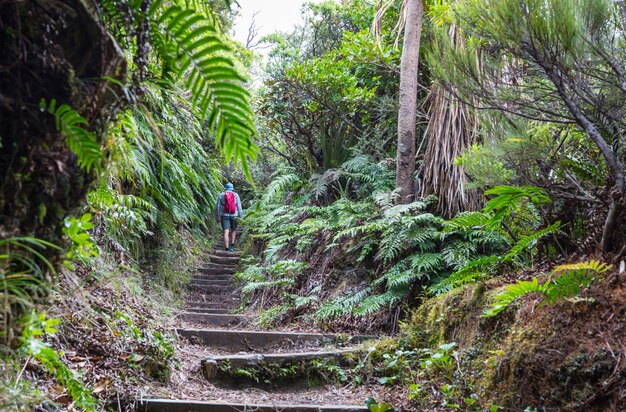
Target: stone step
[
  {"x": 250, "y": 341},
  {"x": 173, "y": 405},
  {"x": 212, "y": 289},
  {"x": 215, "y": 319},
  {"x": 224, "y": 253},
  {"x": 211, "y": 282},
  {"x": 212, "y": 277},
  {"x": 225, "y": 260},
  {"x": 216, "y": 300},
  {"x": 214, "y": 269},
  {"x": 206, "y": 310},
  {"x": 211, "y": 296},
  {"x": 203, "y": 304},
  {"x": 259, "y": 368},
  {"x": 210, "y": 305}
]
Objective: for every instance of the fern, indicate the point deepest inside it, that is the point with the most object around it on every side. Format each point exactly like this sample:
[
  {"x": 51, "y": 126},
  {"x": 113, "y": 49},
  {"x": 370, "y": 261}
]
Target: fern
[
  {"x": 592, "y": 265},
  {"x": 342, "y": 305},
  {"x": 375, "y": 303},
  {"x": 568, "y": 280},
  {"x": 191, "y": 46},
  {"x": 529, "y": 241},
  {"x": 79, "y": 140},
  {"x": 279, "y": 185},
  {"x": 513, "y": 292},
  {"x": 509, "y": 197},
  {"x": 573, "y": 278}
]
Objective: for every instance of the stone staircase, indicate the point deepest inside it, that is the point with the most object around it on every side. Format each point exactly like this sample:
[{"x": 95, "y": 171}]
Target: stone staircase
[{"x": 243, "y": 356}]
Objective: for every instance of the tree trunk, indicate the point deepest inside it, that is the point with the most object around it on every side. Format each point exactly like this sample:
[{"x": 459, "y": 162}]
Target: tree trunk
[{"x": 405, "y": 164}]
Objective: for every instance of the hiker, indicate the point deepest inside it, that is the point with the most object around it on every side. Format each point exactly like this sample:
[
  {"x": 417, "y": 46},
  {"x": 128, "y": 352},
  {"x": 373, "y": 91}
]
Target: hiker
[{"x": 227, "y": 211}]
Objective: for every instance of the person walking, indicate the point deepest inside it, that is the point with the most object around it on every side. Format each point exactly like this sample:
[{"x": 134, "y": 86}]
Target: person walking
[{"x": 227, "y": 212}]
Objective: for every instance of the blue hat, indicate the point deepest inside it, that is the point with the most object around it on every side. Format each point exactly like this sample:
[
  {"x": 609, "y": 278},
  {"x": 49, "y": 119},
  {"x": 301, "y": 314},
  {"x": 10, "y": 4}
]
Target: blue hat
[{"x": 229, "y": 186}]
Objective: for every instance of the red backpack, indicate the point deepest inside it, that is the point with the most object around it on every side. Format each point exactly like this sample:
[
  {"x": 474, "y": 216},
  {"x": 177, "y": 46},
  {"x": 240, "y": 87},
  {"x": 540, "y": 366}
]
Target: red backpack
[{"x": 230, "y": 204}]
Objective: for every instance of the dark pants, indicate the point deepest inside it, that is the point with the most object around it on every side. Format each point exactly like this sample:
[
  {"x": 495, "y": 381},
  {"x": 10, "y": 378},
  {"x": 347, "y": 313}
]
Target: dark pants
[{"x": 229, "y": 222}]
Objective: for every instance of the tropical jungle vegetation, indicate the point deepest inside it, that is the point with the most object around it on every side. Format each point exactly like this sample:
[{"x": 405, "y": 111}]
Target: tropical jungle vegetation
[{"x": 449, "y": 173}]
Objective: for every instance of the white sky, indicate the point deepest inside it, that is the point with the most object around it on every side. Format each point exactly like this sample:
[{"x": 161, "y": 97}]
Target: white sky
[{"x": 273, "y": 16}]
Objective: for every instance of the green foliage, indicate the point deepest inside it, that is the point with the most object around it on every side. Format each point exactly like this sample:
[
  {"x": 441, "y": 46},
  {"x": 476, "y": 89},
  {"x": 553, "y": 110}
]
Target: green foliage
[
  {"x": 80, "y": 141},
  {"x": 544, "y": 130},
  {"x": 36, "y": 328},
  {"x": 23, "y": 270},
  {"x": 82, "y": 248},
  {"x": 566, "y": 281},
  {"x": 330, "y": 91},
  {"x": 191, "y": 47},
  {"x": 374, "y": 406},
  {"x": 511, "y": 218},
  {"x": 410, "y": 246}
]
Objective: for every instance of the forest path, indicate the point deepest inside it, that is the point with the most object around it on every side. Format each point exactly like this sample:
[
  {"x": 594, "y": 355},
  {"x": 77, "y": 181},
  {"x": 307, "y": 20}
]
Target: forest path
[{"x": 229, "y": 365}]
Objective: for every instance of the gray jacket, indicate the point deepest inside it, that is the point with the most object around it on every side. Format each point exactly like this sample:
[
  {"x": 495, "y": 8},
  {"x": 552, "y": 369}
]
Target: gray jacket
[{"x": 219, "y": 208}]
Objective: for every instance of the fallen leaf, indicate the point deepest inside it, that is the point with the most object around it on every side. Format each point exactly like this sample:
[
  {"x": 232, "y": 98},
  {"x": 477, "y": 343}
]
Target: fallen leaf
[
  {"x": 64, "y": 399},
  {"x": 58, "y": 389},
  {"x": 100, "y": 386}
]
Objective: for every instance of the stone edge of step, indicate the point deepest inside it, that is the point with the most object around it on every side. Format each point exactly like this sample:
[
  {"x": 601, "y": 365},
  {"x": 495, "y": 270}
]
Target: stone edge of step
[{"x": 175, "y": 405}]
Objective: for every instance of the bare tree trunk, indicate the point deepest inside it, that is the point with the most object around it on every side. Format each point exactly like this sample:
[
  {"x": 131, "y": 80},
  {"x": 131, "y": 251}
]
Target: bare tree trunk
[{"x": 405, "y": 165}]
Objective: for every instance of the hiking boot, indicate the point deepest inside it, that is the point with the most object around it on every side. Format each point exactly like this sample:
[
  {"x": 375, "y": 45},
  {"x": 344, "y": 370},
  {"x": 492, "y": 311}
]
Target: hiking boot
[{"x": 231, "y": 248}]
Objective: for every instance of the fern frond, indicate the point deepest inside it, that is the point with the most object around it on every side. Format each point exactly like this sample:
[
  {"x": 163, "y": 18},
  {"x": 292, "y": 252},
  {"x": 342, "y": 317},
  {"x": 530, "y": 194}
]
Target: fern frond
[
  {"x": 508, "y": 197},
  {"x": 569, "y": 281},
  {"x": 582, "y": 266},
  {"x": 79, "y": 140},
  {"x": 467, "y": 221},
  {"x": 190, "y": 44},
  {"x": 529, "y": 241},
  {"x": 342, "y": 305},
  {"x": 375, "y": 303},
  {"x": 512, "y": 292},
  {"x": 279, "y": 185},
  {"x": 569, "y": 284}
]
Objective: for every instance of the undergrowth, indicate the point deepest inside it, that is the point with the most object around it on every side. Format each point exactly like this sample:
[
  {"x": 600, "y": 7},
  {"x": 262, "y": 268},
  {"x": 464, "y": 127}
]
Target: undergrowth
[{"x": 401, "y": 251}]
